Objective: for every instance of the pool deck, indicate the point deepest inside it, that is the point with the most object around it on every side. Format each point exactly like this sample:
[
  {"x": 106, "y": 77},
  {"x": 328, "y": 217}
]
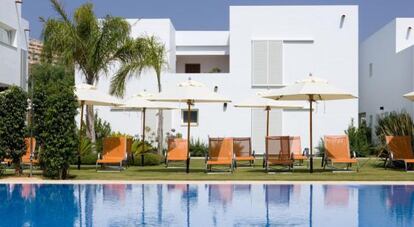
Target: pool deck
[{"x": 34, "y": 180}]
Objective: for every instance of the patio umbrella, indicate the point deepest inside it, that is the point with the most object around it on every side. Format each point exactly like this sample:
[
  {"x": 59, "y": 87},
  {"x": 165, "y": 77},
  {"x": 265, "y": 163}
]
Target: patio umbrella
[
  {"x": 88, "y": 95},
  {"x": 311, "y": 89},
  {"x": 409, "y": 96},
  {"x": 259, "y": 102},
  {"x": 141, "y": 103},
  {"x": 190, "y": 92}
]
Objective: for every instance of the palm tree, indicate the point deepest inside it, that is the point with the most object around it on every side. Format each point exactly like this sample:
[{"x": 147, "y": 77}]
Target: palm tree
[
  {"x": 150, "y": 54},
  {"x": 90, "y": 44}
]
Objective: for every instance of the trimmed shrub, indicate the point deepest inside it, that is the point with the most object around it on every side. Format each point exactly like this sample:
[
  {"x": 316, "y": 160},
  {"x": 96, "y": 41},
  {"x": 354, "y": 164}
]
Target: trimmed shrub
[
  {"x": 359, "y": 139},
  {"x": 55, "y": 108},
  {"x": 198, "y": 148},
  {"x": 394, "y": 123},
  {"x": 89, "y": 159},
  {"x": 150, "y": 159},
  {"x": 13, "y": 106}
]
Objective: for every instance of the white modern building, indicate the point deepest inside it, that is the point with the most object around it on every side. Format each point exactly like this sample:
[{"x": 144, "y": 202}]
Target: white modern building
[
  {"x": 386, "y": 70},
  {"x": 14, "y": 40},
  {"x": 266, "y": 47}
]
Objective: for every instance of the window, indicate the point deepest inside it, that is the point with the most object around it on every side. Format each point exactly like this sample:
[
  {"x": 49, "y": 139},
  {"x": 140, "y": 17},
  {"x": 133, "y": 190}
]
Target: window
[
  {"x": 371, "y": 70},
  {"x": 6, "y": 36},
  {"x": 192, "y": 68},
  {"x": 267, "y": 62},
  {"x": 193, "y": 117}
]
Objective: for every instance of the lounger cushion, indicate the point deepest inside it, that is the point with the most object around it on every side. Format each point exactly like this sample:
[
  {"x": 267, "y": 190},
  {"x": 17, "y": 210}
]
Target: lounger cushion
[
  {"x": 27, "y": 162},
  {"x": 176, "y": 158},
  {"x": 109, "y": 160},
  {"x": 344, "y": 160},
  {"x": 245, "y": 158},
  {"x": 299, "y": 157},
  {"x": 219, "y": 162},
  {"x": 405, "y": 160}
]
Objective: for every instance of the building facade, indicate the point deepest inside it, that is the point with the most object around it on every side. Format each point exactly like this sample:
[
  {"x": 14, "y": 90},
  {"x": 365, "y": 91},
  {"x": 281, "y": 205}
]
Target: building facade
[
  {"x": 386, "y": 70},
  {"x": 14, "y": 39},
  {"x": 266, "y": 47},
  {"x": 35, "y": 51}
]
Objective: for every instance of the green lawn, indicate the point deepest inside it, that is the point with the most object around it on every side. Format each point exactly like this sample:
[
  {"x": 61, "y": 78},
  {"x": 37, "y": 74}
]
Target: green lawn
[{"x": 371, "y": 170}]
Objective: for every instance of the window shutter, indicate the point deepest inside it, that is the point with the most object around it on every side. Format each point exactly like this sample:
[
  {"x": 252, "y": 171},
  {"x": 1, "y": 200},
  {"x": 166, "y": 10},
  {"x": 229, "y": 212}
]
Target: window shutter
[
  {"x": 259, "y": 62},
  {"x": 275, "y": 62}
]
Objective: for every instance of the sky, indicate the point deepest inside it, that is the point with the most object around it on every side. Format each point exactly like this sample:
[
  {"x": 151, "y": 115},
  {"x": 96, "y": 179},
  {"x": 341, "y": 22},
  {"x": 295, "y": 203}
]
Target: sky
[{"x": 213, "y": 14}]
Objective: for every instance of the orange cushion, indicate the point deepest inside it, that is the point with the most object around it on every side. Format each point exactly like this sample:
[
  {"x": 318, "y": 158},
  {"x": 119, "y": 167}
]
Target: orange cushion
[
  {"x": 219, "y": 162},
  {"x": 406, "y": 160},
  {"x": 109, "y": 160},
  {"x": 344, "y": 160},
  {"x": 245, "y": 158},
  {"x": 299, "y": 157},
  {"x": 176, "y": 158}
]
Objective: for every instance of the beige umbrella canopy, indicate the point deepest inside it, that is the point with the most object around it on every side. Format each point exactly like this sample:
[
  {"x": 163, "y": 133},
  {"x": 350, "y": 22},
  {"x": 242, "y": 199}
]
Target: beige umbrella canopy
[
  {"x": 141, "y": 103},
  {"x": 88, "y": 95},
  {"x": 409, "y": 96},
  {"x": 190, "y": 92},
  {"x": 311, "y": 89},
  {"x": 258, "y": 102}
]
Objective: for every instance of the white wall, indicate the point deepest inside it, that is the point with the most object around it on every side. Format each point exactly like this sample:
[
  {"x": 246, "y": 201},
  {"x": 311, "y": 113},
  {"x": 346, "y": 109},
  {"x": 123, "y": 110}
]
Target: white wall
[
  {"x": 313, "y": 44},
  {"x": 10, "y": 63},
  {"x": 391, "y": 53}
]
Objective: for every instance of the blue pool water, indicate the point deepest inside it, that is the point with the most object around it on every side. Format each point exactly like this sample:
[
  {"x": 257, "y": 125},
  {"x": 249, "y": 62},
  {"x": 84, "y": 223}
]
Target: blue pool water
[{"x": 206, "y": 205}]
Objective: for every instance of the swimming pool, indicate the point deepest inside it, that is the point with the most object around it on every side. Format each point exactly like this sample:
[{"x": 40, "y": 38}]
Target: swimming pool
[{"x": 206, "y": 205}]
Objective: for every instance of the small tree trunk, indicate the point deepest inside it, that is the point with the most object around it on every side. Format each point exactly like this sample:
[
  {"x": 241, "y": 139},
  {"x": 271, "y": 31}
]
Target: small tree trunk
[
  {"x": 160, "y": 132},
  {"x": 90, "y": 125},
  {"x": 160, "y": 120}
]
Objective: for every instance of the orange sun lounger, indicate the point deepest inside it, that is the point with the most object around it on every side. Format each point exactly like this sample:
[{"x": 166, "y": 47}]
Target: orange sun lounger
[
  {"x": 242, "y": 148},
  {"x": 177, "y": 151},
  {"x": 400, "y": 149},
  {"x": 278, "y": 152},
  {"x": 30, "y": 151},
  {"x": 115, "y": 152},
  {"x": 337, "y": 150},
  {"x": 296, "y": 149},
  {"x": 220, "y": 153}
]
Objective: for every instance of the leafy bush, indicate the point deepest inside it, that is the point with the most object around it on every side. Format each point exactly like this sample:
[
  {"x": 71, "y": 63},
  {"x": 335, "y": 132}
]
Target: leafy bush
[
  {"x": 137, "y": 147},
  {"x": 394, "y": 123},
  {"x": 55, "y": 108},
  {"x": 102, "y": 130},
  {"x": 198, "y": 148},
  {"x": 89, "y": 159},
  {"x": 150, "y": 159},
  {"x": 359, "y": 139},
  {"x": 13, "y": 105}
]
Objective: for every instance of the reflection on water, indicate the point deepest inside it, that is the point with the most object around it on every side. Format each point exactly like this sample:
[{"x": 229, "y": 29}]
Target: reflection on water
[{"x": 206, "y": 205}]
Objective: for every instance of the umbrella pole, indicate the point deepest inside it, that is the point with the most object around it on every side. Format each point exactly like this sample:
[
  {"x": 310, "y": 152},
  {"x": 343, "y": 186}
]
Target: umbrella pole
[
  {"x": 80, "y": 135},
  {"x": 310, "y": 134},
  {"x": 188, "y": 136},
  {"x": 143, "y": 136},
  {"x": 267, "y": 120}
]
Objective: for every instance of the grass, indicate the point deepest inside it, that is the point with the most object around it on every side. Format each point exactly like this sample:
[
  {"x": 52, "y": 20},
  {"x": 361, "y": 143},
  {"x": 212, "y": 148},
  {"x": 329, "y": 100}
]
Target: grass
[{"x": 371, "y": 170}]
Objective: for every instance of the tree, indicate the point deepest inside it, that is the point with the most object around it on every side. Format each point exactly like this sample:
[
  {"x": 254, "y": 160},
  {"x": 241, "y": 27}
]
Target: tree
[
  {"x": 89, "y": 44},
  {"x": 54, "y": 112},
  {"x": 13, "y": 106},
  {"x": 150, "y": 54}
]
